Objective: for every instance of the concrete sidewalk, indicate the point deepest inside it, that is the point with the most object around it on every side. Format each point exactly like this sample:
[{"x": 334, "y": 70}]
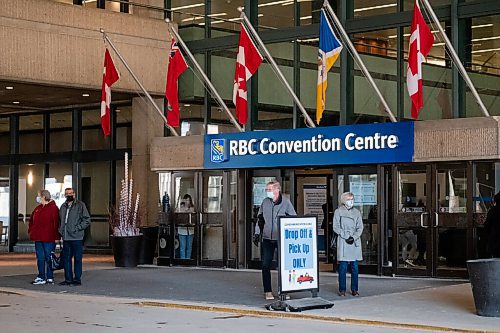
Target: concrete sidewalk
[{"x": 423, "y": 304}]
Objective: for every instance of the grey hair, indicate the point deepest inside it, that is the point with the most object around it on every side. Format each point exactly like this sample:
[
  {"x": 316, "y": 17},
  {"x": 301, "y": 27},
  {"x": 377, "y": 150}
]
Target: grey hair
[
  {"x": 275, "y": 184},
  {"x": 45, "y": 195},
  {"x": 344, "y": 197}
]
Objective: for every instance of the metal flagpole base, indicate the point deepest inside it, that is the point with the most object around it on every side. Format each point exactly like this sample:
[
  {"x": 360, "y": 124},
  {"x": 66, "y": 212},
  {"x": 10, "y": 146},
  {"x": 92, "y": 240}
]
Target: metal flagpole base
[{"x": 298, "y": 305}]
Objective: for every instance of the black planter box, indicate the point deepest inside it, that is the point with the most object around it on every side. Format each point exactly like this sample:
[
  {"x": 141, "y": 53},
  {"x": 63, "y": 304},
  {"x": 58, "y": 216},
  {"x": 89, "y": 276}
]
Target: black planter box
[
  {"x": 126, "y": 250},
  {"x": 484, "y": 277}
]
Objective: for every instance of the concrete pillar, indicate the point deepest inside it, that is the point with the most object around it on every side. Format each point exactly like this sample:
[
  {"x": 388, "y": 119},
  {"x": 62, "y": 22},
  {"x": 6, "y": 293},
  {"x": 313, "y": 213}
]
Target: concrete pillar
[{"x": 146, "y": 124}]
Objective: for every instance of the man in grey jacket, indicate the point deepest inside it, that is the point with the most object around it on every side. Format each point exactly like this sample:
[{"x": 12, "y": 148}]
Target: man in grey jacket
[
  {"x": 74, "y": 218},
  {"x": 273, "y": 206}
]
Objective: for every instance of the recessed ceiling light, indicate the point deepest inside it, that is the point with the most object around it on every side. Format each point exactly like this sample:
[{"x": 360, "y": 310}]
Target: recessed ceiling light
[
  {"x": 85, "y": 95},
  {"x": 15, "y": 102},
  {"x": 9, "y": 87},
  {"x": 187, "y": 105},
  {"x": 118, "y": 110}
]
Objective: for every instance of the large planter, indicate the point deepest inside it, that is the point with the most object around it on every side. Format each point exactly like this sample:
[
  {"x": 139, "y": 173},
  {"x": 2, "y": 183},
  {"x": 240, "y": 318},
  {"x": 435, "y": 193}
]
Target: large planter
[
  {"x": 126, "y": 250},
  {"x": 148, "y": 246},
  {"x": 484, "y": 278}
]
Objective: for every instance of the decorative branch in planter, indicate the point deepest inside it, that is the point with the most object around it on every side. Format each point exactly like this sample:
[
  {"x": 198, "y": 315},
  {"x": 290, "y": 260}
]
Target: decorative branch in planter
[{"x": 124, "y": 220}]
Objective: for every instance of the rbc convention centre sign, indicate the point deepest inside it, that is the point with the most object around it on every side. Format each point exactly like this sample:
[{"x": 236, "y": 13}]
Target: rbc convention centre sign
[{"x": 352, "y": 144}]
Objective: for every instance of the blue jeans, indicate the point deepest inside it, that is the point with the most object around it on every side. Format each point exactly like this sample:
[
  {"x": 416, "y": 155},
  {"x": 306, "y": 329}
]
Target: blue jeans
[
  {"x": 342, "y": 275},
  {"x": 43, "y": 250},
  {"x": 186, "y": 245},
  {"x": 72, "y": 249},
  {"x": 268, "y": 249}
]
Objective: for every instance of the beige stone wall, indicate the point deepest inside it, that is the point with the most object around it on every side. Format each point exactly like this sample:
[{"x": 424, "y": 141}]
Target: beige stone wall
[
  {"x": 56, "y": 43},
  {"x": 457, "y": 139},
  {"x": 177, "y": 153}
]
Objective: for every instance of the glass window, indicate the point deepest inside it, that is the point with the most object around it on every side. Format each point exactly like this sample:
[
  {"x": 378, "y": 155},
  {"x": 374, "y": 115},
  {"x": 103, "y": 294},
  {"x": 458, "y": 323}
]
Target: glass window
[
  {"x": 485, "y": 65},
  {"x": 452, "y": 186},
  {"x": 363, "y": 8},
  {"x": 31, "y": 134},
  {"x": 184, "y": 194},
  {"x": 378, "y": 51},
  {"x": 31, "y": 180},
  {"x": 275, "y": 14},
  {"x": 310, "y": 11},
  {"x": 408, "y": 4},
  {"x": 189, "y": 12},
  {"x": 94, "y": 190},
  {"x": 486, "y": 177},
  {"x": 212, "y": 196},
  {"x": 124, "y": 127},
  {"x": 4, "y": 136},
  {"x": 61, "y": 131},
  {"x": 92, "y": 136},
  {"x": 412, "y": 186},
  {"x": 4, "y": 202},
  {"x": 59, "y": 178}
]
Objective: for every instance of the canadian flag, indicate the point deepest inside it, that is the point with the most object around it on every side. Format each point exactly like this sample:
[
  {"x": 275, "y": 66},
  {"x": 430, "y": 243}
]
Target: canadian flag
[
  {"x": 176, "y": 66},
  {"x": 109, "y": 76},
  {"x": 421, "y": 40},
  {"x": 247, "y": 63}
]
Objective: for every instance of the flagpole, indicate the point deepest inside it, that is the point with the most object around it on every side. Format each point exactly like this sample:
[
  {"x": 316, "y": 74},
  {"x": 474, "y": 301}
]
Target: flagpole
[
  {"x": 455, "y": 58},
  {"x": 360, "y": 62},
  {"x": 278, "y": 71},
  {"x": 174, "y": 132},
  {"x": 204, "y": 76}
]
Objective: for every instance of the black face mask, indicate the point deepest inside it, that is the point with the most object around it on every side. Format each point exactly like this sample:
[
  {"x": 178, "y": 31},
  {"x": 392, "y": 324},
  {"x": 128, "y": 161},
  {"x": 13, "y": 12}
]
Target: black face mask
[{"x": 69, "y": 198}]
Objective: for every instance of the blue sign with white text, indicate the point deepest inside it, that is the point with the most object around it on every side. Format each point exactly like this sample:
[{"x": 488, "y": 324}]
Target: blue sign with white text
[{"x": 352, "y": 144}]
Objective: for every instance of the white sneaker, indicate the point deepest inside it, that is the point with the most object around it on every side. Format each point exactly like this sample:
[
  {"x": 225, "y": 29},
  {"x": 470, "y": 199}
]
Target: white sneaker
[
  {"x": 50, "y": 281},
  {"x": 38, "y": 281}
]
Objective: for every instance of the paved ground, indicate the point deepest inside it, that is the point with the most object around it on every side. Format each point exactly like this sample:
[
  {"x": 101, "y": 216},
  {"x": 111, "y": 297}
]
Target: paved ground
[{"x": 424, "y": 304}]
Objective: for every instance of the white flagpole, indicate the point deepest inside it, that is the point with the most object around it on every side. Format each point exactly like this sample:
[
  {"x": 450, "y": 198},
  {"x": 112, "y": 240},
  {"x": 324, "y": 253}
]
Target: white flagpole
[
  {"x": 455, "y": 58},
  {"x": 358, "y": 60},
  {"x": 275, "y": 66},
  {"x": 138, "y": 82},
  {"x": 205, "y": 78}
]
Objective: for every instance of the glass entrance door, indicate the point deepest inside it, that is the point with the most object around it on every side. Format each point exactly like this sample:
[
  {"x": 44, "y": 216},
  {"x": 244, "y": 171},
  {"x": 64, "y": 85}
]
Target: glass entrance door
[{"x": 430, "y": 220}]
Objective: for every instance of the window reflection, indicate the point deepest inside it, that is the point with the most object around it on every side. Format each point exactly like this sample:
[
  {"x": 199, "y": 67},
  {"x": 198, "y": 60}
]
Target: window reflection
[
  {"x": 212, "y": 196},
  {"x": 452, "y": 185},
  {"x": 412, "y": 186}
]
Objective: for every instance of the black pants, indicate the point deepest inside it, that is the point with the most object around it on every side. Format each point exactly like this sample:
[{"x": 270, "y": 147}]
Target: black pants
[{"x": 268, "y": 249}]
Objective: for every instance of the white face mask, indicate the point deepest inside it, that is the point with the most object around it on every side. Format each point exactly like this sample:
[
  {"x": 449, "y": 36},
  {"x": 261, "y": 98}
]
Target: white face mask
[
  {"x": 38, "y": 199},
  {"x": 349, "y": 204},
  {"x": 270, "y": 195}
]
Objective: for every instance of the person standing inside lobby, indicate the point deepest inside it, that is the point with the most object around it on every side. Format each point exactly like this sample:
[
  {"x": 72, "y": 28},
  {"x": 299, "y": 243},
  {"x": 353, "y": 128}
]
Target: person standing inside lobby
[
  {"x": 348, "y": 225},
  {"x": 75, "y": 219},
  {"x": 273, "y": 206},
  {"x": 43, "y": 229},
  {"x": 186, "y": 233}
]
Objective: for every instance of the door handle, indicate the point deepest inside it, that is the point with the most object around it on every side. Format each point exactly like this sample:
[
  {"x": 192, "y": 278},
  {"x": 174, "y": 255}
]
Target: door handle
[
  {"x": 422, "y": 220},
  {"x": 436, "y": 224}
]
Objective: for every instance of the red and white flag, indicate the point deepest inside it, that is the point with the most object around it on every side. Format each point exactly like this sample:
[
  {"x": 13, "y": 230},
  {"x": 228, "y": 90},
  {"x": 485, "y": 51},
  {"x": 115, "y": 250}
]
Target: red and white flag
[
  {"x": 176, "y": 65},
  {"x": 421, "y": 40},
  {"x": 109, "y": 76},
  {"x": 247, "y": 63}
]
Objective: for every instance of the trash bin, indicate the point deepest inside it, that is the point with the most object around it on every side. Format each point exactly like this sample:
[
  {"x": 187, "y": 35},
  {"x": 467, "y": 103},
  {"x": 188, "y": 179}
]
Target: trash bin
[
  {"x": 165, "y": 240},
  {"x": 148, "y": 245},
  {"x": 483, "y": 275}
]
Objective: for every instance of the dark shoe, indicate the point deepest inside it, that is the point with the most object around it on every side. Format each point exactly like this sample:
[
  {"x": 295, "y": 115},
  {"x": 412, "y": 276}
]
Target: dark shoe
[
  {"x": 76, "y": 283},
  {"x": 341, "y": 293},
  {"x": 355, "y": 293},
  {"x": 65, "y": 283}
]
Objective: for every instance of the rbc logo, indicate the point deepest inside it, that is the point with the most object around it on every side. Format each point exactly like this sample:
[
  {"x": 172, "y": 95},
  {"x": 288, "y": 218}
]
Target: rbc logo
[{"x": 217, "y": 148}]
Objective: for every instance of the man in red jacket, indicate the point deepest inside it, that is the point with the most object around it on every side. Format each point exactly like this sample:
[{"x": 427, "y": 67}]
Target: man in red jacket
[{"x": 43, "y": 229}]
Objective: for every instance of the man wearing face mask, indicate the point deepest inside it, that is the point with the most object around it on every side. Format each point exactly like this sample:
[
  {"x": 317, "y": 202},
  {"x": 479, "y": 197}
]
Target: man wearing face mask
[
  {"x": 75, "y": 219},
  {"x": 348, "y": 224},
  {"x": 42, "y": 229},
  {"x": 272, "y": 206}
]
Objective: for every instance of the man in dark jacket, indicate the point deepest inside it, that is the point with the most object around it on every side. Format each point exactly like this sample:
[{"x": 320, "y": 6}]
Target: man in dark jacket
[
  {"x": 272, "y": 206},
  {"x": 75, "y": 219},
  {"x": 492, "y": 228}
]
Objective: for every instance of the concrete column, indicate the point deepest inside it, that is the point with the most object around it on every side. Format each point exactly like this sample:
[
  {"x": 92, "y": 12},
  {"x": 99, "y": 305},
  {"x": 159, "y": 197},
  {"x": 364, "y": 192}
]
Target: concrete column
[{"x": 146, "y": 124}]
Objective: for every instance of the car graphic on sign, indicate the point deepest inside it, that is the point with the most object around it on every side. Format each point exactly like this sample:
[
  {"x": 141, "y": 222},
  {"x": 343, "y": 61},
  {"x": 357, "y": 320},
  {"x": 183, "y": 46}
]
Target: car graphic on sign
[{"x": 305, "y": 278}]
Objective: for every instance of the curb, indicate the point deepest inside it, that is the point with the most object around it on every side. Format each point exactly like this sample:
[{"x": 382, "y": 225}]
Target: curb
[{"x": 298, "y": 315}]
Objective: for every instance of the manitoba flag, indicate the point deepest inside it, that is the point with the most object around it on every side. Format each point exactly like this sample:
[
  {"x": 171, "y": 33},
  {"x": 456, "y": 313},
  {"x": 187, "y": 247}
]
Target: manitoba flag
[
  {"x": 109, "y": 76},
  {"x": 176, "y": 65},
  {"x": 247, "y": 63},
  {"x": 421, "y": 40}
]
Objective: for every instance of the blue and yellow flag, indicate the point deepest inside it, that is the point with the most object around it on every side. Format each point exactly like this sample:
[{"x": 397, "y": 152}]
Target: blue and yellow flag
[{"x": 329, "y": 50}]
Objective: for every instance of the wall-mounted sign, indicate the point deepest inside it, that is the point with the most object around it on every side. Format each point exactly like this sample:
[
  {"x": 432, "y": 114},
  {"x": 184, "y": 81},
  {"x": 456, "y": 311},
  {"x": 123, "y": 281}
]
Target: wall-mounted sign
[
  {"x": 298, "y": 254},
  {"x": 353, "y": 144}
]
